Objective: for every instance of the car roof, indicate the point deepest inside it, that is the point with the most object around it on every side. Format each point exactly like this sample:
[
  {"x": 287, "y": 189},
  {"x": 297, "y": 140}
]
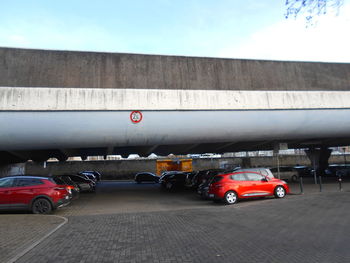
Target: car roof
[{"x": 26, "y": 176}]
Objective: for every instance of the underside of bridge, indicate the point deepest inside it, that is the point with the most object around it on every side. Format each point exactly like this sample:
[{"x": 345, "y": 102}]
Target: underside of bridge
[
  {"x": 88, "y": 81},
  {"x": 163, "y": 150}
]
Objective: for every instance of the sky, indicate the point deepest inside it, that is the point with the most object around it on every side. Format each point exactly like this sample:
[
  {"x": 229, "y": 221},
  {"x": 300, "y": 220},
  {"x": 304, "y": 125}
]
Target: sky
[{"x": 251, "y": 29}]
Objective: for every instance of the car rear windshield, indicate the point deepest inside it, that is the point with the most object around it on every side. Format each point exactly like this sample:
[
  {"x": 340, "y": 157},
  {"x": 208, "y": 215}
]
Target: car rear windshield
[
  {"x": 217, "y": 179},
  {"x": 58, "y": 180}
]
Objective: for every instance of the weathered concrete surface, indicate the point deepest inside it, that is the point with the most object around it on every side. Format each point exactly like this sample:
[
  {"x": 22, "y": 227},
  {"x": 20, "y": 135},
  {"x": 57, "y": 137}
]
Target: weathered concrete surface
[
  {"x": 78, "y": 99},
  {"x": 44, "y": 68},
  {"x": 126, "y": 169},
  {"x": 12, "y": 169}
]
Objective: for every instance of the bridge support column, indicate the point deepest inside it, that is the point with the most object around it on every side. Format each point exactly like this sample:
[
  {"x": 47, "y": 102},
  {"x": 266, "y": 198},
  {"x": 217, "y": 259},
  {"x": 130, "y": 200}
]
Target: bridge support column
[{"x": 319, "y": 160}]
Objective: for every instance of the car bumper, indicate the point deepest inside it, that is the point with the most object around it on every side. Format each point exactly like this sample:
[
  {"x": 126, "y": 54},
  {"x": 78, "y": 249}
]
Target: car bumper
[{"x": 63, "y": 202}]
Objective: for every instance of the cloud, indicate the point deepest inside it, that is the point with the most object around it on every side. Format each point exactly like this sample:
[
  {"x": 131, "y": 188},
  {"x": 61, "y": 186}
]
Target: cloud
[{"x": 290, "y": 39}]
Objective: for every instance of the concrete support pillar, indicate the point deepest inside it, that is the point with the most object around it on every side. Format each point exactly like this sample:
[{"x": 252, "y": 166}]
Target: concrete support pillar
[{"x": 319, "y": 159}]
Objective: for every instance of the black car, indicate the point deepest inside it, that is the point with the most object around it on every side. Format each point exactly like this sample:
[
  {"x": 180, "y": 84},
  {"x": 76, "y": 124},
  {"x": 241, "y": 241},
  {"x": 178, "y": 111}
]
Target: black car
[
  {"x": 303, "y": 171},
  {"x": 173, "y": 180},
  {"x": 190, "y": 183},
  {"x": 203, "y": 188},
  {"x": 146, "y": 177},
  {"x": 338, "y": 170},
  {"x": 96, "y": 174},
  {"x": 204, "y": 175},
  {"x": 85, "y": 185},
  {"x": 67, "y": 181}
]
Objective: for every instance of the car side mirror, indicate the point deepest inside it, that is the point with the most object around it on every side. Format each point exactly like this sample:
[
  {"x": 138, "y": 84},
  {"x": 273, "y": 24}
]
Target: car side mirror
[{"x": 264, "y": 180}]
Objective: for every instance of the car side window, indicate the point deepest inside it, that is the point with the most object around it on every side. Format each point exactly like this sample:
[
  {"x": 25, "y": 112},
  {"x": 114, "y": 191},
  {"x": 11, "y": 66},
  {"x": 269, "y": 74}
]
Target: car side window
[
  {"x": 6, "y": 182},
  {"x": 27, "y": 182},
  {"x": 254, "y": 177},
  {"x": 239, "y": 177},
  {"x": 264, "y": 172}
]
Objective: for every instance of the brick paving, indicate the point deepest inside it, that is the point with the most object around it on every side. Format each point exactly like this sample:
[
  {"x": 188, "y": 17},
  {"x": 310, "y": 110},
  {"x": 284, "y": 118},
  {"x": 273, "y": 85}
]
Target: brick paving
[
  {"x": 19, "y": 231},
  {"x": 125, "y": 222}
]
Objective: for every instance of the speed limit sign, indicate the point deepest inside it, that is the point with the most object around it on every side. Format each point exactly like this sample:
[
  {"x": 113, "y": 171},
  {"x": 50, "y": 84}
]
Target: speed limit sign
[{"x": 136, "y": 116}]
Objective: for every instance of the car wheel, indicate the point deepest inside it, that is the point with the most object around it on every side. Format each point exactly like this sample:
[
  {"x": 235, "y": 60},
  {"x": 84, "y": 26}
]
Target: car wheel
[
  {"x": 230, "y": 198},
  {"x": 41, "y": 206},
  {"x": 294, "y": 178},
  {"x": 280, "y": 192}
]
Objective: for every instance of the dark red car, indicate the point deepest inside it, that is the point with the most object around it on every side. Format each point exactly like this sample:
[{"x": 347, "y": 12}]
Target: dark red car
[
  {"x": 245, "y": 184},
  {"x": 41, "y": 195}
]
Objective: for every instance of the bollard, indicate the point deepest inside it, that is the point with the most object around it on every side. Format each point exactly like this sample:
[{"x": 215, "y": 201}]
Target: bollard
[
  {"x": 301, "y": 185},
  {"x": 340, "y": 186},
  {"x": 320, "y": 181}
]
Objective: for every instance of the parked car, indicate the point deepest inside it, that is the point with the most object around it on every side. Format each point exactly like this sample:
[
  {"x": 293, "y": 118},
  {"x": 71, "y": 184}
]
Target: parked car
[
  {"x": 303, "y": 171},
  {"x": 239, "y": 185},
  {"x": 264, "y": 171},
  {"x": 96, "y": 174},
  {"x": 67, "y": 181},
  {"x": 85, "y": 185},
  {"x": 286, "y": 173},
  {"x": 88, "y": 176},
  {"x": 340, "y": 170},
  {"x": 204, "y": 175},
  {"x": 190, "y": 179},
  {"x": 146, "y": 177},
  {"x": 173, "y": 180},
  {"x": 41, "y": 195},
  {"x": 203, "y": 188}
]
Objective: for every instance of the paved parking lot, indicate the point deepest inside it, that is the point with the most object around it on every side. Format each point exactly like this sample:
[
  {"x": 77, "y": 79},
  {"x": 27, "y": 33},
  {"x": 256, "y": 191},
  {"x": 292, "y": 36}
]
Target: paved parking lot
[{"x": 126, "y": 222}]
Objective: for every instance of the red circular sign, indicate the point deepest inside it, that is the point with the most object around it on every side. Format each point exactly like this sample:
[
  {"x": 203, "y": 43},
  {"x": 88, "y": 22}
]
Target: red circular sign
[{"x": 136, "y": 116}]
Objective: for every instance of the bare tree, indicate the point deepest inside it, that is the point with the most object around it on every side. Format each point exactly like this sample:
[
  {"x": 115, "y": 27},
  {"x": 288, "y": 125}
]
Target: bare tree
[{"x": 311, "y": 8}]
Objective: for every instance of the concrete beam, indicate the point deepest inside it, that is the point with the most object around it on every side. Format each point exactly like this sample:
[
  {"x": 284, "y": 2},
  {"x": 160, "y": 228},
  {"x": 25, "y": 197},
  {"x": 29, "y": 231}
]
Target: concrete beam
[
  {"x": 70, "y": 69},
  {"x": 77, "y": 99}
]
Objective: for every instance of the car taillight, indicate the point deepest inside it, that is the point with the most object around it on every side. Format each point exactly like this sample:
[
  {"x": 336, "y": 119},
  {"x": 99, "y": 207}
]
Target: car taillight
[{"x": 64, "y": 188}]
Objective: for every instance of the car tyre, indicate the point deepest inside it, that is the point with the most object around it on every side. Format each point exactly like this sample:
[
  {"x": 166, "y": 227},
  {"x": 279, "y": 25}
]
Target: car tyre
[
  {"x": 41, "y": 206},
  {"x": 280, "y": 192},
  {"x": 231, "y": 197}
]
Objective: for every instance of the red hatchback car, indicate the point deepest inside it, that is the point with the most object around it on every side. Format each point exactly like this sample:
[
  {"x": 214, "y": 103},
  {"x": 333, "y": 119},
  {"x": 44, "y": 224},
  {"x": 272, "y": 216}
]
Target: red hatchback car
[
  {"x": 239, "y": 185},
  {"x": 41, "y": 195}
]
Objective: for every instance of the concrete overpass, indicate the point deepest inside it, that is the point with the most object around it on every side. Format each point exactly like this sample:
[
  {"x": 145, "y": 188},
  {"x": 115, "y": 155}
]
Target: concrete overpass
[{"x": 63, "y": 103}]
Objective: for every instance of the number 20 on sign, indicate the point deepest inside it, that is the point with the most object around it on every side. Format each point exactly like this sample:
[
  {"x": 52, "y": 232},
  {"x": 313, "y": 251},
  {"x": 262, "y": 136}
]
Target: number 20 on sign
[{"x": 136, "y": 116}]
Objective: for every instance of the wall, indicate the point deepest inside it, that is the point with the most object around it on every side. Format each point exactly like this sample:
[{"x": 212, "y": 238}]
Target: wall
[
  {"x": 12, "y": 169},
  {"x": 126, "y": 169},
  {"x": 45, "y": 68}
]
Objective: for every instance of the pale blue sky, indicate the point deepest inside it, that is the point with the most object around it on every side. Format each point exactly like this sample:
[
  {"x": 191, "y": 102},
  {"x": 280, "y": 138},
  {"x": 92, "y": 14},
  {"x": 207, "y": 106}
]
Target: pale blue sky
[{"x": 214, "y": 28}]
